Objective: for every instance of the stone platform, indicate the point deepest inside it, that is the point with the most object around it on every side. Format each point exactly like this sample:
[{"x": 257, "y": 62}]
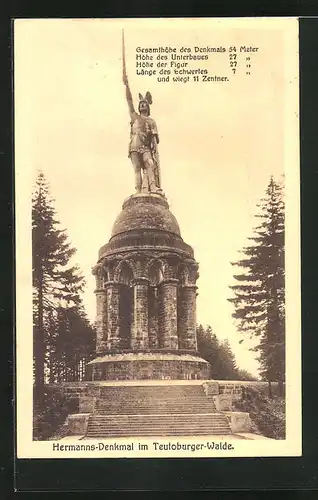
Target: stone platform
[{"x": 151, "y": 365}]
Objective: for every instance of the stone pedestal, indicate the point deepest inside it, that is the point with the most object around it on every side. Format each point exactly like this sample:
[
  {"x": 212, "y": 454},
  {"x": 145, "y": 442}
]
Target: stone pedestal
[
  {"x": 148, "y": 365},
  {"x": 146, "y": 297}
]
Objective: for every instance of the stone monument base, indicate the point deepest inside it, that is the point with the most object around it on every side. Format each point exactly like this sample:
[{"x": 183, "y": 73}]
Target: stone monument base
[{"x": 151, "y": 366}]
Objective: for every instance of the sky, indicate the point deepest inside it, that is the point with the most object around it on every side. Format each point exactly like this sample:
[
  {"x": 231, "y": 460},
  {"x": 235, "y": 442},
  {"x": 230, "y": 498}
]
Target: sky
[{"x": 219, "y": 141}]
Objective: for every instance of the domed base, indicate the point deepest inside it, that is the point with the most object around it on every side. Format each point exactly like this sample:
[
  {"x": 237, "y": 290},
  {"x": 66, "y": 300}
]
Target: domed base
[
  {"x": 145, "y": 223},
  {"x": 151, "y": 366}
]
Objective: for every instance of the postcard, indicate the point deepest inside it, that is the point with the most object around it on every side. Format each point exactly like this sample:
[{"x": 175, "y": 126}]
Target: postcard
[{"x": 157, "y": 238}]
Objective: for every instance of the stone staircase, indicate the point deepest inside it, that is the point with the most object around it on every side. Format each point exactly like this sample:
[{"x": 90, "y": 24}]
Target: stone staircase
[{"x": 174, "y": 410}]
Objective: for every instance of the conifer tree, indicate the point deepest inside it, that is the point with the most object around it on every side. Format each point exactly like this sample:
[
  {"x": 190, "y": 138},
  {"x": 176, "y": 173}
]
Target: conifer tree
[
  {"x": 73, "y": 345},
  {"x": 55, "y": 280},
  {"x": 218, "y": 353},
  {"x": 226, "y": 361},
  {"x": 259, "y": 296},
  {"x": 208, "y": 346}
]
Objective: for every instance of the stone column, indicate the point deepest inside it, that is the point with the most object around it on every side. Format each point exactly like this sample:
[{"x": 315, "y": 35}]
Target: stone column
[
  {"x": 153, "y": 317},
  {"x": 113, "y": 323},
  {"x": 101, "y": 322},
  {"x": 187, "y": 317},
  {"x": 140, "y": 338},
  {"x": 168, "y": 314}
]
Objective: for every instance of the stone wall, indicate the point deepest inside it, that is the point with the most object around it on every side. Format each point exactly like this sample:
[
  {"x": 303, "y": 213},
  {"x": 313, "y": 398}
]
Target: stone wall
[
  {"x": 235, "y": 386},
  {"x": 77, "y": 424},
  {"x": 239, "y": 421},
  {"x": 145, "y": 370}
]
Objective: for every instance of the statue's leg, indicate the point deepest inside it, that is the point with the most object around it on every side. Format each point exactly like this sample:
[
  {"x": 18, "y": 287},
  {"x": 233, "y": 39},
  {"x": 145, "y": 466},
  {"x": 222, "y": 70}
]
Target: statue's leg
[
  {"x": 145, "y": 183},
  {"x": 136, "y": 161},
  {"x": 150, "y": 168}
]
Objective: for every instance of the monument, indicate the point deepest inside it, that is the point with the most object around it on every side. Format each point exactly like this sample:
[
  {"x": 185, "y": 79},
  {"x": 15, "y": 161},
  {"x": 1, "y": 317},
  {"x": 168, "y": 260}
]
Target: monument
[
  {"x": 147, "y": 378},
  {"x": 146, "y": 276}
]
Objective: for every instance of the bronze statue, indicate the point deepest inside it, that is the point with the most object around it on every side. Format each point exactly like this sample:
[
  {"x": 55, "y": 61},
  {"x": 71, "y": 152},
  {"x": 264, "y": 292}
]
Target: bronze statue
[{"x": 144, "y": 140}]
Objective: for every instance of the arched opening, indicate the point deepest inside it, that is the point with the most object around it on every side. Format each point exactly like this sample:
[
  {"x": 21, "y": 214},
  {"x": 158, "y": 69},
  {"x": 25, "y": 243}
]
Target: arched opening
[
  {"x": 183, "y": 274},
  {"x": 126, "y": 305},
  {"x": 155, "y": 273}
]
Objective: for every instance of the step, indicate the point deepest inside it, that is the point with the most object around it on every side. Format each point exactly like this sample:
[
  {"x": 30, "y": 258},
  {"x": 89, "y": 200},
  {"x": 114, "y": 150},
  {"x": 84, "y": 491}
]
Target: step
[
  {"x": 161, "y": 402},
  {"x": 180, "y": 430},
  {"x": 157, "y": 416},
  {"x": 153, "y": 430},
  {"x": 155, "y": 395},
  {"x": 154, "y": 403},
  {"x": 152, "y": 425},
  {"x": 144, "y": 406},
  {"x": 151, "y": 392},
  {"x": 164, "y": 428},
  {"x": 158, "y": 399},
  {"x": 179, "y": 414},
  {"x": 154, "y": 387},
  {"x": 152, "y": 412},
  {"x": 160, "y": 432},
  {"x": 156, "y": 424},
  {"x": 157, "y": 432}
]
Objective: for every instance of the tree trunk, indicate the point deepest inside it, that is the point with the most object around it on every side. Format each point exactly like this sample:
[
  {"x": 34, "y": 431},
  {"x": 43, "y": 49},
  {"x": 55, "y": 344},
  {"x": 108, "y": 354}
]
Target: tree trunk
[
  {"x": 39, "y": 350},
  {"x": 51, "y": 358},
  {"x": 280, "y": 388},
  {"x": 51, "y": 377},
  {"x": 270, "y": 392}
]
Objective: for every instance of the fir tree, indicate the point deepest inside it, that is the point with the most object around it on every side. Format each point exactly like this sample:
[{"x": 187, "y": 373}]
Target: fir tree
[
  {"x": 208, "y": 346},
  {"x": 259, "y": 296},
  {"x": 73, "y": 345},
  {"x": 218, "y": 354},
  {"x": 55, "y": 280},
  {"x": 245, "y": 375},
  {"x": 227, "y": 367}
]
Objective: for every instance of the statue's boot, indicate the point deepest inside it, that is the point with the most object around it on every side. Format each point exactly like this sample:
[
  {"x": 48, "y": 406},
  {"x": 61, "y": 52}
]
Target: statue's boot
[{"x": 151, "y": 179}]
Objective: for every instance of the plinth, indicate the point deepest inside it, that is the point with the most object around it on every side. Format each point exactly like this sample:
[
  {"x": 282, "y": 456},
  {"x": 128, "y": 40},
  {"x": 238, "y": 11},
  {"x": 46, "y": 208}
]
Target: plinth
[{"x": 146, "y": 298}]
